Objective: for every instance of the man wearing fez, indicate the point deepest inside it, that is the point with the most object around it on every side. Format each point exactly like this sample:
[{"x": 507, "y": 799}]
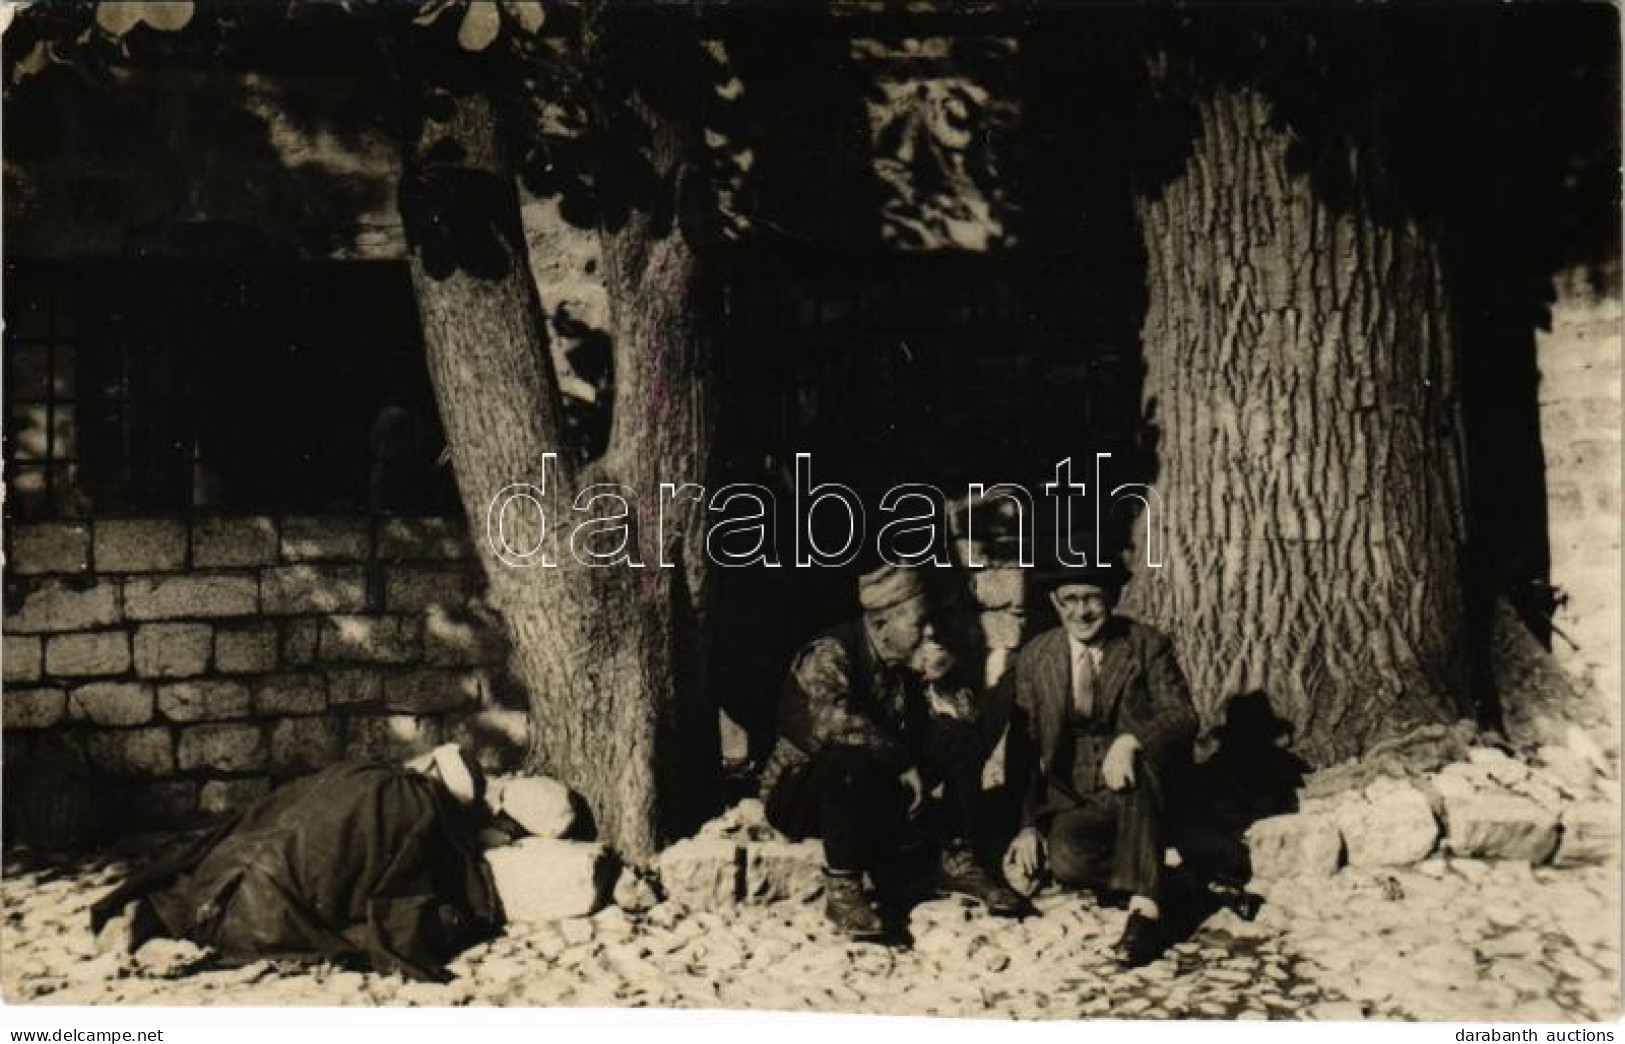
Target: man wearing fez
[
  {"x": 868, "y": 727},
  {"x": 1102, "y": 704}
]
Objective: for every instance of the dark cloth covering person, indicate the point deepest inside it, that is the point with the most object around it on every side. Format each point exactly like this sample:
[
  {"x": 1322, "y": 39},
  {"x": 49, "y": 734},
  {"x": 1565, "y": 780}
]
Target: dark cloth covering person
[{"x": 366, "y": 863}]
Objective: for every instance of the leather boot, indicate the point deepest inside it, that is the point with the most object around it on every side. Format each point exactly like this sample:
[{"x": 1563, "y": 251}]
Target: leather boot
[
  {"x": 1142, "y": 942},
  {"x": 963, "y": 874},
  {"x": 848, "y": 908}
]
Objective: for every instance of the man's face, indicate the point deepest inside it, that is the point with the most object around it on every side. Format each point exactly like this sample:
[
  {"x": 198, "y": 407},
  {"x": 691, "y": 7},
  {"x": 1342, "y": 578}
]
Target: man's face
[
  {"x": 1083, "y": 609},
  {"x": 902, "y": 630}
]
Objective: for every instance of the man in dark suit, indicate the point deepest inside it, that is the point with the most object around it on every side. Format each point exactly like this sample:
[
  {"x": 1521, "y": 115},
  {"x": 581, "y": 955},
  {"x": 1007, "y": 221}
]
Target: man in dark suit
[{"x": 1105, "y": 711}]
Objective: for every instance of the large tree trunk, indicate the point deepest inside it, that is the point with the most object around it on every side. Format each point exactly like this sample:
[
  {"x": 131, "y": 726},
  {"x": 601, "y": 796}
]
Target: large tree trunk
[
  {"x": 663, "y": 311},
  {"x": 595, "y": 648},
  {"x": 1300, "y": 382}
]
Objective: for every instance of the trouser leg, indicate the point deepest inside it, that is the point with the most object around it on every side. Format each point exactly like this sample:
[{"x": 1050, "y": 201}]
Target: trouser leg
[
  {"x": 1137, "y": 855},
  {"x": 955, "y": 752},
  {"x": 1080, "y": 843},
  {"x": 847, "y": 797},
  {"x": 1113, "y": 840}
]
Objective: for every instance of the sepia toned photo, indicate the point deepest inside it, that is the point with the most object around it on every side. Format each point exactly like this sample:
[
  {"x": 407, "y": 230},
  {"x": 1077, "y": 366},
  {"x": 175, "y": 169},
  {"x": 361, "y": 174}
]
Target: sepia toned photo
[{"x": 1005, "y": 508}]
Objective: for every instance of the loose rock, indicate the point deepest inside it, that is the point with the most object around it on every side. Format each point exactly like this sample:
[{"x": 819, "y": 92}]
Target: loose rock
[
  {"x": 1590, "y": 834},
  {"x": 703, "y": 873},
  {"x": 1500, "y": 826},
  {"x": 780, "y": 870},
  {"x": 1295, "y": 846},
  {"x": 1393, "y": 826},
  {"x": 541, "y": 805},
  {"x": 544, "y": 879},
  {"x": 636, "y": 890}
]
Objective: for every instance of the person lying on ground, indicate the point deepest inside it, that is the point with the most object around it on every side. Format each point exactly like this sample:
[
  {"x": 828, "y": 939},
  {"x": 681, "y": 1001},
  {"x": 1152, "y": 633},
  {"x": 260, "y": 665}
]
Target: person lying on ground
[{"x": 367, "y": 863}]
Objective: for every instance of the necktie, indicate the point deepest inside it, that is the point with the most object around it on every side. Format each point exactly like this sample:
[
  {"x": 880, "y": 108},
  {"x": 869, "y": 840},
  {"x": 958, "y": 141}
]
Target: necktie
[{"x": 1083, "y": 682}]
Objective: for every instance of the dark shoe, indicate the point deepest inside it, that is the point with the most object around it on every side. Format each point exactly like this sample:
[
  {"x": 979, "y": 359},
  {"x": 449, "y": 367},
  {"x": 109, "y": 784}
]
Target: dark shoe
[
  {"x": 848, "y": 909},
  {"x": 1239, "y": 901},
  {"x": 962, "y": 874},
  {"x": 904, "y": 879},
  {"x": 1142, "y": 942}
]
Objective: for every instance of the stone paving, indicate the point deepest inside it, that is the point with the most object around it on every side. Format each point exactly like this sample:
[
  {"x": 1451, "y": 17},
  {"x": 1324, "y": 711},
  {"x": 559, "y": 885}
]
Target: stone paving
[{"x": 1444, "y": 939}]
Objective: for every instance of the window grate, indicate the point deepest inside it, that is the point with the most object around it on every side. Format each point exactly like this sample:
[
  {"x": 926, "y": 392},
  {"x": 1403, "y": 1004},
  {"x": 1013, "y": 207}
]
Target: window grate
[{"x": 137, "y": 389}]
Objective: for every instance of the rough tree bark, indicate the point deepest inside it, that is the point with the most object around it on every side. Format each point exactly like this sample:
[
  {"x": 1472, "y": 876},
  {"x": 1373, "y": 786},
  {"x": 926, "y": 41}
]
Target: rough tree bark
[
  {"x": 595, "y": 648},
  {"x": 663, "y": 307},
  {"x": 1300, "y": 381}
]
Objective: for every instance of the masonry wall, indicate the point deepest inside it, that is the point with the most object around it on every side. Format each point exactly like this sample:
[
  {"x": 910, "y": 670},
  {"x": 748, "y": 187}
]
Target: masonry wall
[
  {"x": 195, "y": 663},
  {"x": 1580, "y": 407}
]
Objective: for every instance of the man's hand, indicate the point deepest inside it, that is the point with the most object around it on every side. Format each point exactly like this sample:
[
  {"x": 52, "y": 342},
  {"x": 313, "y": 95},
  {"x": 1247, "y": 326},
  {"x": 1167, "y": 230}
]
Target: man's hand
[
  {"x": 1118, "y": 768},
  {"x": 957, "y": 704},
  {"x": 1026, "y": 852},
  {"x": 916, "y": 789},
  {"x": 932, "y": 661}
]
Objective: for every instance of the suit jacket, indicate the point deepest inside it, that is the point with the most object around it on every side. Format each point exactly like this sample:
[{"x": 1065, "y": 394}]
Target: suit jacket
[{"x": 1139, "y": 690}]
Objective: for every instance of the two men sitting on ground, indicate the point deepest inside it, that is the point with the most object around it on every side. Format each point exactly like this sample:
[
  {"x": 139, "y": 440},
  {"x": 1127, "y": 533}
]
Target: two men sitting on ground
[{"x": 868, "y": 728}]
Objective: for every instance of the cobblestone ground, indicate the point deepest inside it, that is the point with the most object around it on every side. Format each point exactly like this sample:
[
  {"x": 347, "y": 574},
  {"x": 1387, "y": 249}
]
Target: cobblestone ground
[{"x": 1444, "y": 940}]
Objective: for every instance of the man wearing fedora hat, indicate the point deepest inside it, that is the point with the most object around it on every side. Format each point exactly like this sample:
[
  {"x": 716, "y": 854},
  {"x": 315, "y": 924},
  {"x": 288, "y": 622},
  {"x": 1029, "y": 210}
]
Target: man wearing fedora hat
[
  {"x": 1102, "y": 705},
  {"x": 867, "y": 728}
]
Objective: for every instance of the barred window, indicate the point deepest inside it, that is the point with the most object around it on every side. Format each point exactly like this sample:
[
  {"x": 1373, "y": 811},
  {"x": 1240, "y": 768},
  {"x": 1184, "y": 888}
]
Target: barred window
[
  {"x": 178, "y": 388},
  {"x": 944, "y": 367},
  {"x": 41, "y": 357}
]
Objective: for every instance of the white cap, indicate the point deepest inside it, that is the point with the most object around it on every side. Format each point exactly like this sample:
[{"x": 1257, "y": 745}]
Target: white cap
[{"x": 455, "y": 773}]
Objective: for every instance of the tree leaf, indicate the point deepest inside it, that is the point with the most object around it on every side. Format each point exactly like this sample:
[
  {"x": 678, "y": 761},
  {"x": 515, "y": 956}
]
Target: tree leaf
[
  {"x": 431, "y": 12},
  {"x": 480, "y": 26},
  {"x": 527, "y": 14},
  {"x": 118, "y": 17},
  {"x": 167, "y": 15}
]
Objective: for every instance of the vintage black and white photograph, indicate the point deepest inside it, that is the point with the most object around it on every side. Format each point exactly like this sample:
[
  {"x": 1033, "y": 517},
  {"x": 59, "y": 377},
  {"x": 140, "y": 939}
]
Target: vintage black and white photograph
[{"x": 1009, "y": 509}]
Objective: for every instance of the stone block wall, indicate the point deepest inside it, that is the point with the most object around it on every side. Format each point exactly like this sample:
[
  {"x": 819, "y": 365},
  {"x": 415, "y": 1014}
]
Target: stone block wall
[
  {"x": 197, "y": 662},
  {"x": 1580, "y": 411}
]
